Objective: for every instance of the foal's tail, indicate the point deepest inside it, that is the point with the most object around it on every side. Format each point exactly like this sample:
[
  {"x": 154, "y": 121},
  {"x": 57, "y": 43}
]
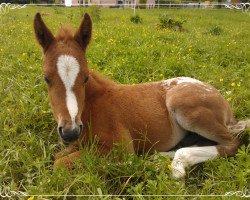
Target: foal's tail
[{"x": 240, "y": 126}]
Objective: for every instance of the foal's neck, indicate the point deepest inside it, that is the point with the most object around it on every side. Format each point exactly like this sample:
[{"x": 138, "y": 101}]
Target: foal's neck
[{"x": 97, "y": 85}]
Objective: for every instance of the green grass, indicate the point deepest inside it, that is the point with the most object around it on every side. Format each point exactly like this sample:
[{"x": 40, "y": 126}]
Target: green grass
[{"x": 128, "y": 53}]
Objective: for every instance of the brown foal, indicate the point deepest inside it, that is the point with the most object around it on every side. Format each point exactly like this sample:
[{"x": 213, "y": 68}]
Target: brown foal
[{"x": 146, "y": 117}]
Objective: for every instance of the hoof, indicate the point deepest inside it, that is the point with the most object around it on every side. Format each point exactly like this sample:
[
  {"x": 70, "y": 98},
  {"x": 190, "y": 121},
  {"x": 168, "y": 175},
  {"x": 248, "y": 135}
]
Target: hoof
[{"x": 178, "y": 170}]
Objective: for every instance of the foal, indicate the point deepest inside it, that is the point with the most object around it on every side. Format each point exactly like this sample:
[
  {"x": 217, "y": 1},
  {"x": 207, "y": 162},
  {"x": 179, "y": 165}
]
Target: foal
[{"x": 145, "y": 117}]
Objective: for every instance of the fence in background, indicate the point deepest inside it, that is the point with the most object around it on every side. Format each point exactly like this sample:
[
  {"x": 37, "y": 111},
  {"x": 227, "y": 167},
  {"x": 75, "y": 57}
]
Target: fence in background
[{"x": 245, "y": 7}]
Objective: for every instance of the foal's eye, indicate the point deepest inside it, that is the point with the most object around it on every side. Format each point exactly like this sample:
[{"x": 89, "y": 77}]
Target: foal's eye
[
  {"x": 86, "y": 79},
  {"x": 46, "y": 80}
]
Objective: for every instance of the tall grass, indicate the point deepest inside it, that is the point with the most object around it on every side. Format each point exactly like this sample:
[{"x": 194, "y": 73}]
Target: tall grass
[{"x": 128, "y": 53}]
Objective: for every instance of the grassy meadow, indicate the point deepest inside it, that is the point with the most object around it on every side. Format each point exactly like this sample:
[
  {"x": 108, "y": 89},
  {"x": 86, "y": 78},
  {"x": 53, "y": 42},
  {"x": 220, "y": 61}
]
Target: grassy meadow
[{"x": 214, "y": 47}]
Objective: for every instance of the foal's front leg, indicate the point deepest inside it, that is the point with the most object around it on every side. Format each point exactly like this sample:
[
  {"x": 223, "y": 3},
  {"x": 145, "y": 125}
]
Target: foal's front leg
[
  {"x": 68, "y": 150},
  {"x": 70, "y": 155},
  {"x": 106, "y": 143},
  {"x": 67, "y": 161}
]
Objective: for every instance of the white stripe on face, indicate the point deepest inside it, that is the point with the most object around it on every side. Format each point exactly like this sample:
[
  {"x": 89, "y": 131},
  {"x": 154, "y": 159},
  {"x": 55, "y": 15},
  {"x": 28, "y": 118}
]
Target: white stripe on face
[{"x": 68, "y": 69}]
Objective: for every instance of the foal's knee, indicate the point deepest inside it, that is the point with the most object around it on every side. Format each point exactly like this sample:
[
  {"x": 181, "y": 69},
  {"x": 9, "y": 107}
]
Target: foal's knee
[
  {"x": 67, "y": 161},
  {"x": 229, "y": 148}
]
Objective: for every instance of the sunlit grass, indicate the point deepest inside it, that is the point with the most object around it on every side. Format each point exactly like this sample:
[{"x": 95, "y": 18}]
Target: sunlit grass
[{"x": 128, "y": 53}]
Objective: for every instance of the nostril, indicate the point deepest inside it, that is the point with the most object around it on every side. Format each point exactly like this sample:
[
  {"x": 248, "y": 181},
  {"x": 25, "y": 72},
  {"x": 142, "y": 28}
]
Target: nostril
[
  {"x": 69, "y": 135},
  {"x": 60, "y": 131},
  {"x": 81, "y": 128}
]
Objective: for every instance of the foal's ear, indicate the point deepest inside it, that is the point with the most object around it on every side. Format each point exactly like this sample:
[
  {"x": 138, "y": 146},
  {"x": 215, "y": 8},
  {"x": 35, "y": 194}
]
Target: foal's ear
[
  {"x": 83, "y": 34},
  {"x": 43, "y": 34}
]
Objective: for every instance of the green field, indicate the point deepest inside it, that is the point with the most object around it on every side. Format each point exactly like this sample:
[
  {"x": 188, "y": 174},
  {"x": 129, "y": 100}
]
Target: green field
[{"x": 214, "y": 47}]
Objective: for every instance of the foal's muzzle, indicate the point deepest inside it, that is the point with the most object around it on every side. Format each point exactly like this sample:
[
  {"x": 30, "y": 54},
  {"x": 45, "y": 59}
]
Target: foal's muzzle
[{"x": 69, "y": 135}]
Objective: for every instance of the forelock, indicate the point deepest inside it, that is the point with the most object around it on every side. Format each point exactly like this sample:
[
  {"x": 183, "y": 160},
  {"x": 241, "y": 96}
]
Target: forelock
[{"x": 65, "y": 33}]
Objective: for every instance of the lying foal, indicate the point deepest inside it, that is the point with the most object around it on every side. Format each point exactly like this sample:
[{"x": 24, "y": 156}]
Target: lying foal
[{"x": 146, "y": 117}]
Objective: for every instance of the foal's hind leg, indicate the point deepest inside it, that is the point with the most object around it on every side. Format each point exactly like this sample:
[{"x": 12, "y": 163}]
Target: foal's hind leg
[
  {"x": 203, "y": 122},
  {"x": 190, "y": 140}
]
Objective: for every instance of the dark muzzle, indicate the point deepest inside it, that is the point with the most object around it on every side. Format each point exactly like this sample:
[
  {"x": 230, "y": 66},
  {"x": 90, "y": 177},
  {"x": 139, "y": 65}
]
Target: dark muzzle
[{"x": 69, "y": 135}]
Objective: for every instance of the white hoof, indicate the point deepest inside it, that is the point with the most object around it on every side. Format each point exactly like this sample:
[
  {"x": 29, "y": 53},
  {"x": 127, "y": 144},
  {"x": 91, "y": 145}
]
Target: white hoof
[{"x": 178, "y": 170}]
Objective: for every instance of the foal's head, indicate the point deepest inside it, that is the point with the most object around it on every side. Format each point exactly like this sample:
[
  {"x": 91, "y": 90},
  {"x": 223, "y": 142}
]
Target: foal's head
[{"x": 65, "y": 72}]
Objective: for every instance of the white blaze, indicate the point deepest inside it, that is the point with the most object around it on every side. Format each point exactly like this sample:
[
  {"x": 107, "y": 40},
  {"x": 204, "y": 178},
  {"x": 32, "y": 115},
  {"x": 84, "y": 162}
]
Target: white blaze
[{"x": 68, "y": 69}]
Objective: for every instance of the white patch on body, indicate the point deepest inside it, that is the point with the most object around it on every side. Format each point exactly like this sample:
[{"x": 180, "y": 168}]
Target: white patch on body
[
  {"x": 179, "y": 80},
  {"x": 186, "y": 157},
  {"x": 185, "y": 81},
  {"x": 68, "y": 69}
]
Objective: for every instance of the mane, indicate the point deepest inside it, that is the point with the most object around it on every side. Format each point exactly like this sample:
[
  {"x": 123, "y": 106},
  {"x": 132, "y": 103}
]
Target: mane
[
  {"x": 65, "y": 33},
  {"x": 101, "y": 79},
  {"x": 97, "y": 84}
]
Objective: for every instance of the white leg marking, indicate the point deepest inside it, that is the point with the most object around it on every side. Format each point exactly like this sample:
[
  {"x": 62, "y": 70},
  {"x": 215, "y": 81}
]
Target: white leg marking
[
  {"x": 68, "y": 69},
  {"x": 186, "y": 157}
]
